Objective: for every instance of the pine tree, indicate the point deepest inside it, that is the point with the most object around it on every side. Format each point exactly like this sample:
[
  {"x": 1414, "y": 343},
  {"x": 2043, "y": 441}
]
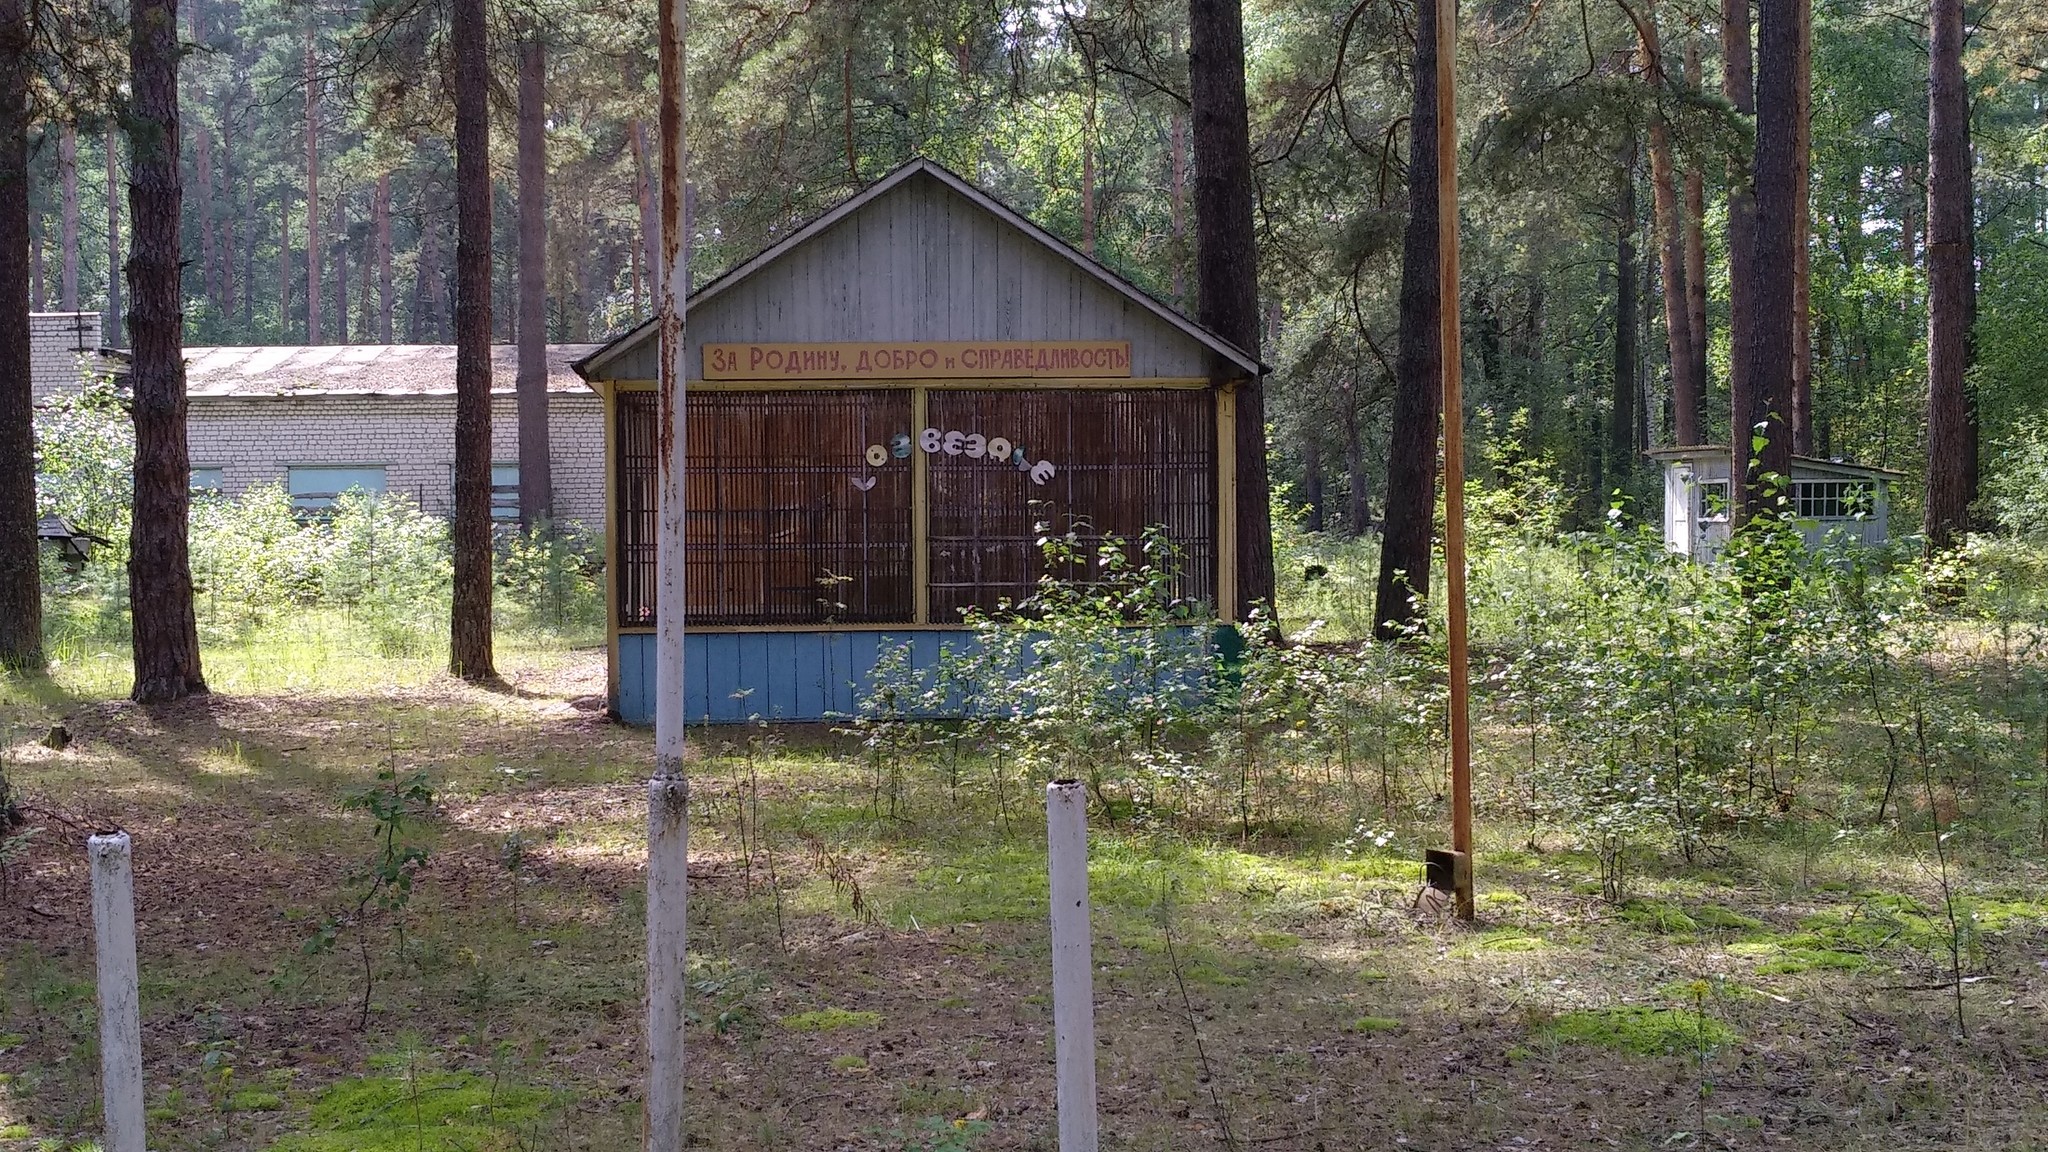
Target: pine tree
[{"x": 469, "y": 652}]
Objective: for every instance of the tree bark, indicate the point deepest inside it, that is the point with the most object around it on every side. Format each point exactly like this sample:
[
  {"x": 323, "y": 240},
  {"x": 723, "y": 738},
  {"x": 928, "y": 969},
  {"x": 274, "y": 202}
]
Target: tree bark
[
  {"x": 1769, "y": 366},
  {"x": 650, "y": 226},
  {"x": 1358, "y": 501},
  {"x": 314, "y": 255},
  {"x": 67, "y": 179},
  {"x": 1622, "y": 415},
  {"x": 1801, "y": 413},
  {"x": 1950, "y": 279},
  {"x": 116, "y": 325},
  {"x": 1312, "y": 481},
  {"x": 1227, "y": 268},
  {"x": 469, "y": 651},
  {"x": 202, "y": 164},
  {"x": 166, "y": 633},
  {"x": 1177, "y": 186},
  {"x": 1409, "y": 504},
  {"x": 21, "y": 595},
  {"x": 284, "y": 266},
  {"x": 535, "y": 484},
  {"x": 1671, "y": 235},
  {"x": 1088, "y": 165},
  {"x": 340, "y": 268},
  {"x": 1696, "y": 245},
  {"x": 385, "y": 284},
  {"x": 1739, "y": 88}
]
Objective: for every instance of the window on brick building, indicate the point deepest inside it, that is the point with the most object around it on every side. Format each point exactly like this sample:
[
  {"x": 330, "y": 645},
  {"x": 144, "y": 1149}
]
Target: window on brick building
[
  {"x": 314, "y": 488},
  {"x": 208, "y": 479}
]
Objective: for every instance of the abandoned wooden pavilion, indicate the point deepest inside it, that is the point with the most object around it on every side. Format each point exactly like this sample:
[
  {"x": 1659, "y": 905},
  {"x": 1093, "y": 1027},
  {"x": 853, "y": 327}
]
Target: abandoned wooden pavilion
[{"x": 882, "y": 409}]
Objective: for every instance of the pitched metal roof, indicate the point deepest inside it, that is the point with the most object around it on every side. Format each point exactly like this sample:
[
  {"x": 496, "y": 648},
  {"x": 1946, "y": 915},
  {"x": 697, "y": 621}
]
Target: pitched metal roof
[
  {"x": 923, "y": 166},
  {"x": 359, "y": 370},
  {"x": 1813, "y": 463}
]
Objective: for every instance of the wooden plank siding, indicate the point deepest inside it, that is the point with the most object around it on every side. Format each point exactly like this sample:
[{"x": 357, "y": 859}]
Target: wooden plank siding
[{"x": 924, "y": 264}]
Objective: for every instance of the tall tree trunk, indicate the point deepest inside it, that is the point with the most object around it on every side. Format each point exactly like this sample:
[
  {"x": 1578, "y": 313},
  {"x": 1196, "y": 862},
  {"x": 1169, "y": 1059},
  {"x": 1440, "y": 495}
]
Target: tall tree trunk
[
  {"x": 1177, "y": 187},
  {"x": 1358, "y": 503},
  {"x": 21, "y": 595},
  {"x": 385, "y": 285},
  {"x": 166, "y": 633},
  {"x": 340, "y": 268},
  {"x": 202, "y": 163},
  {"x": 315, "y": 257},
  {"x": 1685, "y": 386},
  {"x": 284, "y": 266},
  {"x": 1950, "y": 279},
  {"x": 1696, "y": 244},
  {"x": 1802, "y": 232},
  {"x": 1622, "y": 415},
  {"x": 1409, "y": 505},
  {"x": 366, "y": 273},
  {"x": 650, "y": 226},
  {"x": 1312, "y": 481},
  {"x": 535, "y": 484},
  {"x": 1088, "y": 164},
  {"x": 469, "y": 651},
  {"x": 116, "y": 325},
  {"x": 1227, "y": 266},
  {"x": 1738, "y": 86},
  {"x": 1769, "y": 365},
  {"x": 35, "y": 260},
  {"x": 67, "y": 179}
]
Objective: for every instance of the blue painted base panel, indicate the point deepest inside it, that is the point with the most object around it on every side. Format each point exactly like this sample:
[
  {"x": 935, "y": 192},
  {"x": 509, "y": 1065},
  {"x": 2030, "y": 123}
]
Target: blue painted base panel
[{"x": 733, "y": 677}]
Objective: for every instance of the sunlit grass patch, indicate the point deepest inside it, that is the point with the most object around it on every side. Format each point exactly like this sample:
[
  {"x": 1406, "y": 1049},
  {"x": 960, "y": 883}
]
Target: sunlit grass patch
[
  {"x": 1645, "y": 1031},
  {"x": 424, "y": 1111},
  {"x": 830, "y": 1019}
]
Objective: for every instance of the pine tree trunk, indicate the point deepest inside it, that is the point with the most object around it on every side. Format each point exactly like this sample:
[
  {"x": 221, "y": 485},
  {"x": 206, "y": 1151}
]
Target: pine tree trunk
[
  {"x": 1671, "y": 236},
  {"x": 469, "y": 651},
  {"x": 1358, "y": 502},
  {"x": 1312, "y": 481},
  {"x": 1739, "y": 88},
  {"x": 1696, "y": 245},
  {"x": 1409, "y": 505},
  {"x": 1801, "y": 414},
  {"x": 1769, "y": 366},
  {"x": 1088, "y": 166},
  {"x": 650, "y": 227},
  {"x": 1950, "y": 279},
  {"x": 166, "y": 633},
  {"x": 1227, "y": 266},
  {"x": 21, "y": 598},
  {"x": 67, "y": 179},
  {"x": 340, "y": 268},
  {"x": 315, "y": 258},
  {"x": 35, "y": 258},
  {"x": 535, "y": 484},
  {"x": 116, "y": 327},
  {"x": 385, "y": 285},
  {"x": 202, "y": 156},
  {"x": 284, "y": 266},
  {"x": 1622, "y": 416},
  {"x": 1177, "y": 187}
]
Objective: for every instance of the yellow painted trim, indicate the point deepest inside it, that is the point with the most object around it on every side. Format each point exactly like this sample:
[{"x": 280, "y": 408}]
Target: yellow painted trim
[
  {"x": 1226, "y": 504},
  {"x": 920, "y": 514},
  {"x": 1131, "y": 384},
  {"x": 611, "y": 548}
]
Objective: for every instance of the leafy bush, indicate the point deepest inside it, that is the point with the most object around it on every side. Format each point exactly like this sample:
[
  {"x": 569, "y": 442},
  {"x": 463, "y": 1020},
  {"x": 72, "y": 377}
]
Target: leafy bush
[{"x": 553, "y": 576}]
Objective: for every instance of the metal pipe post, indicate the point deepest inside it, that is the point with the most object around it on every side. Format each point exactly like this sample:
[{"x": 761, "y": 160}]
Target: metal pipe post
[
  {"x": 1073, "y": 984},
  {"x": 113, "y": 923}
]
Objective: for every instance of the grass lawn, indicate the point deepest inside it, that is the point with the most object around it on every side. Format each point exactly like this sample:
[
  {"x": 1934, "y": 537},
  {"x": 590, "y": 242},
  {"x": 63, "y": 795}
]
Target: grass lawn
[{"x": 864, "y": 981}]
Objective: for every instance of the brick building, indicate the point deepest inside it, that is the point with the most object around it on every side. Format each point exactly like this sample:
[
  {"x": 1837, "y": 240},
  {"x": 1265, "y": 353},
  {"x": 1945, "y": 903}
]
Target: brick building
[{"x": 324, "y": 419}]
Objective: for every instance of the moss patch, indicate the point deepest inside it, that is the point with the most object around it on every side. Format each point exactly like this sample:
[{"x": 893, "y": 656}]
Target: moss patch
[
  {"x": 1502, "y": 940},
  {"x": 1375, "y": 1024},
  {"x": 1644, "y": 1031},
  {"x": 830, "y": 1020},
  {"x": 432, "y": 1112}
]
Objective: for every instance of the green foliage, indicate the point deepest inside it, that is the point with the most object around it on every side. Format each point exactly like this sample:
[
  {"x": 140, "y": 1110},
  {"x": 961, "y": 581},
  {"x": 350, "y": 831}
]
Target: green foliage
[
  {"x": 384, "y": 883},
  {"x": 553, "y": 576},
  {"x": 830, "y": 1020},
  {"x": 2016, "y": 487},
  {"x": 85, "y": 461},
  {"x": 1642, "y": 1030}
]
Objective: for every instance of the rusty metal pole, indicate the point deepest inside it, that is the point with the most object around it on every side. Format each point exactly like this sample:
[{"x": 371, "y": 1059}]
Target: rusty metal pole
[
  {"x": 1454, "y": 447},
  {"x": 668, "y": 792}
]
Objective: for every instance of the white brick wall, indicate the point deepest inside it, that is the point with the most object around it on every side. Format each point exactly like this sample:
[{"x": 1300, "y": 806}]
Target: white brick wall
[
  {"x": 253, "y": 440},
  {"x": 54, "y": 340}
]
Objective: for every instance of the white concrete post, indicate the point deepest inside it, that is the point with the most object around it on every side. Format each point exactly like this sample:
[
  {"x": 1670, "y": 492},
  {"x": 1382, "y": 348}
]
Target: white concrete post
[
  {"x": 1073, "y": 983},
  {"x": 113, "y": 924}
]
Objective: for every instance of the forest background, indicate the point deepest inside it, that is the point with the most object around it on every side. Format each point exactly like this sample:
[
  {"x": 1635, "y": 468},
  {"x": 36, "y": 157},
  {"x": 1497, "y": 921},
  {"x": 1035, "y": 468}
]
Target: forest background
[{"x": 319, "y": 194}]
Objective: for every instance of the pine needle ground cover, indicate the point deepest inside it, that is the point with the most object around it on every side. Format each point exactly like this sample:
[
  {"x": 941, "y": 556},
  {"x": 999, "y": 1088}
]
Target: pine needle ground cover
[{"x": 863, "y": 979}]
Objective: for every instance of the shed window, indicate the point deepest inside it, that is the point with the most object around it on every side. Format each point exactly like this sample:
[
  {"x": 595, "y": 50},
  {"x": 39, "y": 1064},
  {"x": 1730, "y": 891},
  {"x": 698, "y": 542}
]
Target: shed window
[
  {"x": 314, "y": 489},
  {"x": 1713, "y": 500},
  {"x": 789, "y": 521},
  {"x": 1832, "y": 499},
  {"x": 1121, "y": 462}
]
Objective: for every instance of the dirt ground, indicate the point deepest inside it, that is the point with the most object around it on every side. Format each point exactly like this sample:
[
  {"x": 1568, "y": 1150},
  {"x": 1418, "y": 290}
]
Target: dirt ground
[{"x": 863, "y": 982}]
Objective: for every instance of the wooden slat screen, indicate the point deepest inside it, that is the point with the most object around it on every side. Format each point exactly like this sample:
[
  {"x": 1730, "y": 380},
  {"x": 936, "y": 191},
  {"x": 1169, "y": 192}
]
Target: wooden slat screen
[
  {"x": 1124, "y": 461},
  {"x": 780, "y": 528}
]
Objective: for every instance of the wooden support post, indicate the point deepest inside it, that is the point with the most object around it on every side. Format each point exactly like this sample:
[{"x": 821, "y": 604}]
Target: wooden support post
[
  {"x": 1073, "y": 984},
  {"x": 920, "y": 512},
  {"x": 113, "y": 924},
  {"x": 668, "y": 793},
  {"x": 1226, "y": 504},
  {"x": 1454, "y": 443}
]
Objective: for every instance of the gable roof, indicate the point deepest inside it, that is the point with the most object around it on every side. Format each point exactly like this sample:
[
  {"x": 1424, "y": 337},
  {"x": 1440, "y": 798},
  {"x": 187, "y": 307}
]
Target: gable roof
[
  {"x": 1819, "y": 464},
  {"x": 359, "y": 370},
  {"x": 925, "y": 167}
]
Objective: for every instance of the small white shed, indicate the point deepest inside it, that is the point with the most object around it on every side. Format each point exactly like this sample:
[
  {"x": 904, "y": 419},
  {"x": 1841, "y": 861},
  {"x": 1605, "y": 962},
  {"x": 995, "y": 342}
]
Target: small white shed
[{"x": 1832, "y": 500}]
